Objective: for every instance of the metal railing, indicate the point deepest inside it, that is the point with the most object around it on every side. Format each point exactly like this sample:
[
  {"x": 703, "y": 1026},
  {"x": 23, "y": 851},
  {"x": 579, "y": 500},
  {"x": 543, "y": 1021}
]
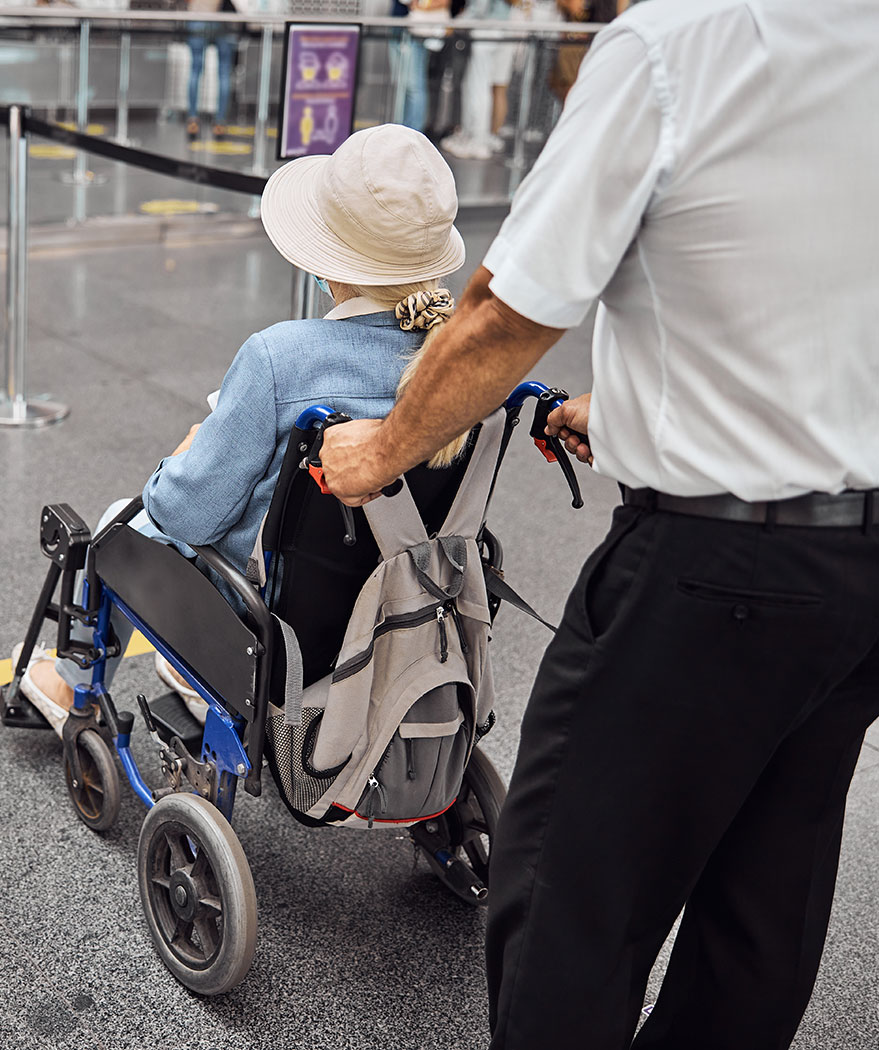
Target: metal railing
[{"x": 117, "y": 41}]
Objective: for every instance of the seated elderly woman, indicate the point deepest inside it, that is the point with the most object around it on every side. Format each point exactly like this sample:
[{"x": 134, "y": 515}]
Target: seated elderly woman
[{"x": 374, "y": 224}]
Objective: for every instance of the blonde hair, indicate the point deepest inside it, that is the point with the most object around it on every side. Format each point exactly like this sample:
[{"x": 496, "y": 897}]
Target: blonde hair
[{"x": 389, "y": 296}]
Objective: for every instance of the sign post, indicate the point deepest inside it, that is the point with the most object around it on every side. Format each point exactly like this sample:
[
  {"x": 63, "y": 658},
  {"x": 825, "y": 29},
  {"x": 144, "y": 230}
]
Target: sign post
[{"x": 318, "y": 86}]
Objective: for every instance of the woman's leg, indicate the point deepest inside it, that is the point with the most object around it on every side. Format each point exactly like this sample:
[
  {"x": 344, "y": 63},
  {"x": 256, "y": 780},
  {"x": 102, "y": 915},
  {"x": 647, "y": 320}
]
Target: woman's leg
[{"x": 58, "y": 680}]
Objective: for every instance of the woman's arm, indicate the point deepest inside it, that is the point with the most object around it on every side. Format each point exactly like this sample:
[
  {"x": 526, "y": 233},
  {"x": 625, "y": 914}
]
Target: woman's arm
[{"x": 198, "y": 494}]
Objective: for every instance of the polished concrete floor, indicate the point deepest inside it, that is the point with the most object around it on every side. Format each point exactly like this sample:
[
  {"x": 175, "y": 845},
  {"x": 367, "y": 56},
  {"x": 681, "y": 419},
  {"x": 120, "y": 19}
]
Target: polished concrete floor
[{"x": 358, "y": 949}]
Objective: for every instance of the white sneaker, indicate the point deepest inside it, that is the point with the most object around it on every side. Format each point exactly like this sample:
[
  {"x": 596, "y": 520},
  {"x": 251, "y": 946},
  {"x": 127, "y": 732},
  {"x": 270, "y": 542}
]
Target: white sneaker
[
  {"x": 55, "y": 714},
  {"x": 497, "y": 144},
  {"x": 454, "y": 143},
  {"x": 460, "y": 145},
  {"x": 197, "y": 707}
]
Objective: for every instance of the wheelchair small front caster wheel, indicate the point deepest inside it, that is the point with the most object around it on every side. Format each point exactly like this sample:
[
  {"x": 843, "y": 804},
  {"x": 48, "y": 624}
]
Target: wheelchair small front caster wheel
[
  {"x": 457, "y": 844},
  {"x": 95, "y": 793},
  {"x": 197, "y": 893}
]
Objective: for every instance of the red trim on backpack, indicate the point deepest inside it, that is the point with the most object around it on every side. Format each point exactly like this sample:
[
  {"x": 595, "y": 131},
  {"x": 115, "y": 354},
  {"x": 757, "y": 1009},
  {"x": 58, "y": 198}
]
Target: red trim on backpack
[{"x": 409, "y": 820}]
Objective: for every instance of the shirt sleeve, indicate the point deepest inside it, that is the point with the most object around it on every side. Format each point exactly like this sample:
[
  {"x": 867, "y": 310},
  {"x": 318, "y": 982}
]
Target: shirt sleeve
[
  {"x": 199, "y": 495},
  {"x": 580, "y": 207}
]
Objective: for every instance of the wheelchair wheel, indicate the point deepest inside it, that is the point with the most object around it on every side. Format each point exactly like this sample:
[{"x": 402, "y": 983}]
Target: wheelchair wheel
[
  {"x": 468, "y": 828},
  {"x": 96, "y": 796},
  {"x": 197, "y": 893}
]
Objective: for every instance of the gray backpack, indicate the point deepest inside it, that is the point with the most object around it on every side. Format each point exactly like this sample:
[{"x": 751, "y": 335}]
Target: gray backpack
[{"x": 384, "y": 739}]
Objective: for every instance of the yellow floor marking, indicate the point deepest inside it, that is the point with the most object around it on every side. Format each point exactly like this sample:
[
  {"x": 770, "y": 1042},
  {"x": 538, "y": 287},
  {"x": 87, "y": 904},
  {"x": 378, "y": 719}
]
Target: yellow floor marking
[
  {"x": 221, "y": 147},
  {"x": 169, "y": 207},
  {"x": 91, "y": 129},
  {"x": 247, "y": 130},
  {"x": 50, "y": 151},
  {"x": 138, "y": 646}
]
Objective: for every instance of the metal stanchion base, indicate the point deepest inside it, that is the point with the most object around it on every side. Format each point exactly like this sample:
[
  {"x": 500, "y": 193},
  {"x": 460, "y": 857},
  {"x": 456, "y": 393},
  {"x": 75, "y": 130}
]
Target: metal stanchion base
[
  {"x": 128, "y": 143},
  {"x": 88, "y": 178},
  {"x": 31, "y": 413}
]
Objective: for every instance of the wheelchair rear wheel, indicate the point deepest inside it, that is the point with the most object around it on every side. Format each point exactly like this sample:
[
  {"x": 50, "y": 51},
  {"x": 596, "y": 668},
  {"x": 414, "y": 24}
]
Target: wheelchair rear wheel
[
  {"x": 197, "y": 893},
  {"x": 95, "y": 796}
]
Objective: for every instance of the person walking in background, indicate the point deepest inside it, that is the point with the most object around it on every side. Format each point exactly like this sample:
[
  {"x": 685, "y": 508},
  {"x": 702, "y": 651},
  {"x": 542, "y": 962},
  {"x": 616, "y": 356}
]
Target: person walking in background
[
  {"x": 224, "y": 38},
  {"x": 696, "y": 721}
]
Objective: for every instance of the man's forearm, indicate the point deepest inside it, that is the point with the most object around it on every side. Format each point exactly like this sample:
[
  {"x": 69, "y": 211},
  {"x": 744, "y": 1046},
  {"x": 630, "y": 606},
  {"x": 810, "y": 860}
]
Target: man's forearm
[{"x": 472, "y": 365}]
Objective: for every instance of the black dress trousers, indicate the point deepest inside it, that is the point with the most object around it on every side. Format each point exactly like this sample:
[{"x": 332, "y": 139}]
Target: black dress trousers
[{"x": 690, "y": 740}]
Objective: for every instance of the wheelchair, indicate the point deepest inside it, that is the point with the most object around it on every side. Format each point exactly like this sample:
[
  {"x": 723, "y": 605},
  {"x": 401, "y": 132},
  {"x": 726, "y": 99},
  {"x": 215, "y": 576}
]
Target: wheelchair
[{"x": 195, "y": 883}]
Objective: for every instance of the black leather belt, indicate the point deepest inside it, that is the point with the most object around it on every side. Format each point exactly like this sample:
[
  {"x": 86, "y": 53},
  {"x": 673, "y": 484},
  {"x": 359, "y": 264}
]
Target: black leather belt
[{"x": 818, "y": 509}]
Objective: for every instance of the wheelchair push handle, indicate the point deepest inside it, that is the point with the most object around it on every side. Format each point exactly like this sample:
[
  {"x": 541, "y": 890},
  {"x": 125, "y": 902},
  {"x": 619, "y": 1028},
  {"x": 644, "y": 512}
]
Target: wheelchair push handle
[
  {"x": 550, "y": 447},
  {"x": 320, "y": 417}
]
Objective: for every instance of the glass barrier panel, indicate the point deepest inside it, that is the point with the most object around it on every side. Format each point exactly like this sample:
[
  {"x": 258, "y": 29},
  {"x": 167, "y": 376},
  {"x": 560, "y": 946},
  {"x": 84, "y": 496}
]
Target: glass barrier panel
[{"x": 487, "y": 94}]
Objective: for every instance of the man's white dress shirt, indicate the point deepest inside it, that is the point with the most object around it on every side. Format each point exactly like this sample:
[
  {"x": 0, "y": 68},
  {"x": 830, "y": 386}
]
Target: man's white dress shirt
[{"x": 714, "y": 179}]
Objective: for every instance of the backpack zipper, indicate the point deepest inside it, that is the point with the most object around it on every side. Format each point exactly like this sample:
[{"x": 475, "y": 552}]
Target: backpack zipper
[
  {"x": 410, "y": 758},
  {"x": 392, "y": 623},
  {"x": 444, "y": 638},
  {"x": 452, "y": 606},
  {"x": 373, "y": 785}
]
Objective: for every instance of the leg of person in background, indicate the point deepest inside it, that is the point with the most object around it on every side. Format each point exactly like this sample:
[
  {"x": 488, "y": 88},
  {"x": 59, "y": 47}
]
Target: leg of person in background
[
  {"x": 227, "y": 46},
  {"x": 437, "y": 64},
  {"x": 196, "y": 41},
  {"x": 473, "y": 140},
  {"x": 502, "y": 72},
  {"x": 415, "y": 106},
  {"x": 499, "y": 107}
]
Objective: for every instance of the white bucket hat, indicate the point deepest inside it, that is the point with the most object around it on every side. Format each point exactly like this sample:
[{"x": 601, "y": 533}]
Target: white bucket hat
[{"x": 380, "y": 210}]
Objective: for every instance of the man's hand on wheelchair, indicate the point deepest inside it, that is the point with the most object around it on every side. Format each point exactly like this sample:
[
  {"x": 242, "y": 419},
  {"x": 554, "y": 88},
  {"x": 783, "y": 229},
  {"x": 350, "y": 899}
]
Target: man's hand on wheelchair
[
  {"x": 187, "y": 441},
  {"x": 571, "y": 420},
  {"x": 349, "y": 456}
]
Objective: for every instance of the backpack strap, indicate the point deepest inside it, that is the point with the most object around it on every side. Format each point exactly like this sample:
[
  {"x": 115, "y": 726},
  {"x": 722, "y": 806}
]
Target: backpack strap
[
  {"x": 454, "y": 550},
  {"x": 495, "y": 584},
  {"x": 467, "y": 512},
  {"x": 293, "y": 678},
  {"x": 395, "y": 523}
]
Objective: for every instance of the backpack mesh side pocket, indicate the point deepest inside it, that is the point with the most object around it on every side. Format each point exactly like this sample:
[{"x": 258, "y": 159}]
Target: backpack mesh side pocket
[{"x": 289, "y": 750}]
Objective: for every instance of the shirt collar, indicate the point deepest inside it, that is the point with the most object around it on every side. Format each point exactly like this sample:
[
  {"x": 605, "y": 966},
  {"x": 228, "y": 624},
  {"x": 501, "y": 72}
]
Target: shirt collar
[{"x": 354, "y": 308}]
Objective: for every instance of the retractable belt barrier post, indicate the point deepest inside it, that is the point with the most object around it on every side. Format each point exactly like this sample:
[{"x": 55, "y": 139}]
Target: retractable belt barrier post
[{"x": 15, "y": 409}]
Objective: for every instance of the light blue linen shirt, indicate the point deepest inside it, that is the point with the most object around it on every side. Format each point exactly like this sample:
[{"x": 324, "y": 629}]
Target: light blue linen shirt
[{"x": 219, "y": 490}]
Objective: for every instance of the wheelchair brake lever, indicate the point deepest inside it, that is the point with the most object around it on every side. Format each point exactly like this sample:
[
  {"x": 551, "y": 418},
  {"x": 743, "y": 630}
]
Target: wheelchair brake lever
[{"x": 551, "y": 448}]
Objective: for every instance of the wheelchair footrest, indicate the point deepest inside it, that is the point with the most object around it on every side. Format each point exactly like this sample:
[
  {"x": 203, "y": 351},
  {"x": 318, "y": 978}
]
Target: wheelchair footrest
[
  {"x": 172, "y": 719},
  {"x": 22, "y": 714}
]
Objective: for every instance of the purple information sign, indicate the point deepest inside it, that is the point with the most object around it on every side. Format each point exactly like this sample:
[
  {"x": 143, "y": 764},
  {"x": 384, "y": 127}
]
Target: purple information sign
[{"x": 320, "y": 77}]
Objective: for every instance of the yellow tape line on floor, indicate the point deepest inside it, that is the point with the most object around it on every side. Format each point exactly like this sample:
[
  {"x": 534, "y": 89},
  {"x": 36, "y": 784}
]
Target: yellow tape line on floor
[{"x": 136, "y": 647}]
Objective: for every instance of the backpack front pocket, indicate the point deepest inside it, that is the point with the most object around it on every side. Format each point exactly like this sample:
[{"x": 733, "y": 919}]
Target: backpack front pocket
[{"x": 421, "y": 769}]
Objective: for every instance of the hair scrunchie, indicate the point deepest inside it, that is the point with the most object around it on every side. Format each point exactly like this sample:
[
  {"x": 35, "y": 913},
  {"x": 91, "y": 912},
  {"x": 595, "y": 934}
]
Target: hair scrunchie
[{"x": 423, "y": 310}]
